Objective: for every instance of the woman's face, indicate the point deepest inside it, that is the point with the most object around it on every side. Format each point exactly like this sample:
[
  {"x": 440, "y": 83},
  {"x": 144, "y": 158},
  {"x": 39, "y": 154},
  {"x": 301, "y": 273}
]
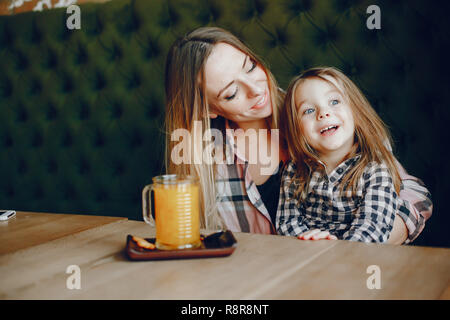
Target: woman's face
[{"x": 236, "y": 86}]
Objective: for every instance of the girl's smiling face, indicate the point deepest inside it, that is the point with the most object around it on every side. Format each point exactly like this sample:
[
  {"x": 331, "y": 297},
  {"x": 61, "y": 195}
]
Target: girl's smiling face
[
  {"x": 236, "y": 86},
  {"x": 325, "y": 118}
]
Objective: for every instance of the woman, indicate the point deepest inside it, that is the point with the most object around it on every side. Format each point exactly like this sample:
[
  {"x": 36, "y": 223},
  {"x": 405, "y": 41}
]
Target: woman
[{"x": 214, "y": 81}]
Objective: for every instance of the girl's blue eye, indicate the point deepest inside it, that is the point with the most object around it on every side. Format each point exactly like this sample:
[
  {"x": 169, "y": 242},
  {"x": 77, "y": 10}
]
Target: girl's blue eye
[
  {"x": 334, "y": 102},
  {"x": 308, "y": 111}
]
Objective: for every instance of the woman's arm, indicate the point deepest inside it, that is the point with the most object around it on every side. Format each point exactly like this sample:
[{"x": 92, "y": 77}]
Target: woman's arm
[
  {"x": 399, "y": 232},
  {"x": 415, "y": 208}
]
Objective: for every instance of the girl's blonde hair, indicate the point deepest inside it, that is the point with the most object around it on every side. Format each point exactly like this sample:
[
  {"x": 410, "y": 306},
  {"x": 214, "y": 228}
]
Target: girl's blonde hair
[
  {"x": 372, "y": 138},
  {"x": 186, "y": 103}
]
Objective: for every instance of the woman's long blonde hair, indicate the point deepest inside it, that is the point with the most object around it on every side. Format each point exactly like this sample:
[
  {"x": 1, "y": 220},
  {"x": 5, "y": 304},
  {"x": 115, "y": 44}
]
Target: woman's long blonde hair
[
  {"x": 372, "y": 138},
  {"x": 186, "y": 103}
]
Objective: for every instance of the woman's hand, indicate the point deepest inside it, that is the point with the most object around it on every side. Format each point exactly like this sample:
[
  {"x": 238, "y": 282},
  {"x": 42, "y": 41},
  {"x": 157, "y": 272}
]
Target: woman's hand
[
  {"x": 399, "y": 232},
  {"x": 316, "y": 234}
]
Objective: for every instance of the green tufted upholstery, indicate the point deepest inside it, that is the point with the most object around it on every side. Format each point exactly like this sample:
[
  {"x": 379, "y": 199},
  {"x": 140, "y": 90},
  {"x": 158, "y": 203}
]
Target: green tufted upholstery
[{"x": 81, "y": 111}]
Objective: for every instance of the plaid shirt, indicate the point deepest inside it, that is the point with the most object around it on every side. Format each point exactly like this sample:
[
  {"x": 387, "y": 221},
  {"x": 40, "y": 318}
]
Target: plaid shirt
[
  {"x": 242, "y": 209},
  {"x": 367, "y": 216},
  {"x": 239, "y": 202}
]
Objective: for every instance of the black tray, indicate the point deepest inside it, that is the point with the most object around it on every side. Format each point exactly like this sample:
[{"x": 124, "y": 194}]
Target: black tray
[{"x": 220, "y": 244}]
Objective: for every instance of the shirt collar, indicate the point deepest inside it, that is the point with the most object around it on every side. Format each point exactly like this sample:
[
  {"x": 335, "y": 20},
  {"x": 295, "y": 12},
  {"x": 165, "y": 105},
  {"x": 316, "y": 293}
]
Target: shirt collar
[{"x": 342, "y": 168}]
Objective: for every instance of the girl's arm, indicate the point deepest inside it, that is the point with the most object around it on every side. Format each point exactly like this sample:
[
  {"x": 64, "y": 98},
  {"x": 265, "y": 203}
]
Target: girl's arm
[
  {"x": 289, "y": 220},
  {"x": 415, "y": 208},
  {"x": 375, "y": 216}
]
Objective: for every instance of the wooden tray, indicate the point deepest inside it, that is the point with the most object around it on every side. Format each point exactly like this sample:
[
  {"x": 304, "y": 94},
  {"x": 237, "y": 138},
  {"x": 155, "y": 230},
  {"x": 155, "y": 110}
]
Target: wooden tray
[{"x": 220, "y": 244}]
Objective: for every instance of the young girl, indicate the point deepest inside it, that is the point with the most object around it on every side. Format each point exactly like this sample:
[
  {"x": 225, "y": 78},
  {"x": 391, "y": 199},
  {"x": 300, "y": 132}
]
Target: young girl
[{"x": 342, "y": 180}]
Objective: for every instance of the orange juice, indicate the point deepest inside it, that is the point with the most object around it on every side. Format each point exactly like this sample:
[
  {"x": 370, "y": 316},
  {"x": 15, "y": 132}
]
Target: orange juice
[{"x": 177, "y": 215}]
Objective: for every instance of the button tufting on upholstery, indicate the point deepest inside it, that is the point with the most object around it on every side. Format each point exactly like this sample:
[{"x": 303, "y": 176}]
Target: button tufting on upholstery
[
  {"x": 99, "y": 139},
  {"x": 84, "y": 167},
  {"x": 214, "y": 12},
  {"x": 332, "y": 33},
  {"x": 80, "y": 55},
  {"x": 350, "y": 69},
  {"x": 66, "y": 83},
  {"x": 116, "y": 110},
  {"x": 343, "y": 6},
  {"x": 35, "y": 33},
  {"x": 115, "y": 53},
  {"x": 151, "y": 50},
  {"x": 38, "y": 192},
  {"x": 22, "y": 114},
  {"x": 299, "y": 6},
  {"x": 153, "y": 112},
  {"x": 52, "y": 166},
  {"x": 98, "y": 81},
  {"x": 84, "y": 112},
  {"x": 204, "y": 17},
  {"x": 101, "y": 196},
  {"x": 37, "y": 140},
  {"x": 67, "y": 140},
  {"x": 50, "y": 59},
  {"x": 22, "y": 167},
  {"x": 8, "y": 141},
  {"x": 129, "y": 22},
  {"x": 172, "y": 16},
  {"x": 52, "y": 112},
  {"x": 10, "y": 191},
  {"x": 260, "y": 6},
  {"x": 136, "y": 140},
  {"x": 279, "y": 39},
  {"x": 35, "y": 87},
  {"x": 401, "y": 67},
  {"x": 119, "y": 168},
  {"x": 7, "y": 38},
  {"x": 247, "y": 14},
  {"x": 6, "y": 88},
  {"x": 68, "y": 191},
  {"x": 64, "y": 34},
  {"x": 134, "y": 80},
  {"x": 282, "y": 37},
  {"x": 94, "y": 25},
  {"x": 22, "y": 61}
]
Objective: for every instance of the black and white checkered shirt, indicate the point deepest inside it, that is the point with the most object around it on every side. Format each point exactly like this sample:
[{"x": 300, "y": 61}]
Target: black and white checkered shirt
[{"x": 367, "y": 217}]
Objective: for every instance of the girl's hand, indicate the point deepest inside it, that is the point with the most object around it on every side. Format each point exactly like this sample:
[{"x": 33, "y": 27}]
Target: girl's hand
[{"x": 316, "y": 234}]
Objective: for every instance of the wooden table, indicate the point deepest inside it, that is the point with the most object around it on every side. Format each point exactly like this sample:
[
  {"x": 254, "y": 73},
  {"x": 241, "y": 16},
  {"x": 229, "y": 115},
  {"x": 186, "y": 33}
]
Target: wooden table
[{"x": 36, "y": 250}]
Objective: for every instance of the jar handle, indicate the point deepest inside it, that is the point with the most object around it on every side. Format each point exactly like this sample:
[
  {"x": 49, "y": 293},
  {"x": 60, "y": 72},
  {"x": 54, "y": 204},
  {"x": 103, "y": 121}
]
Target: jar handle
[{"x": 147, "y": 205}]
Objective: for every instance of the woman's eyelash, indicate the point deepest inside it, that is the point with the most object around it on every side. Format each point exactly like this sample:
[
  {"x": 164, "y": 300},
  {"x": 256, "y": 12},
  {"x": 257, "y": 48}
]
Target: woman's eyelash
[
  {"x": 232, "y": 96},
  {"x": 253, "y": 66}
]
